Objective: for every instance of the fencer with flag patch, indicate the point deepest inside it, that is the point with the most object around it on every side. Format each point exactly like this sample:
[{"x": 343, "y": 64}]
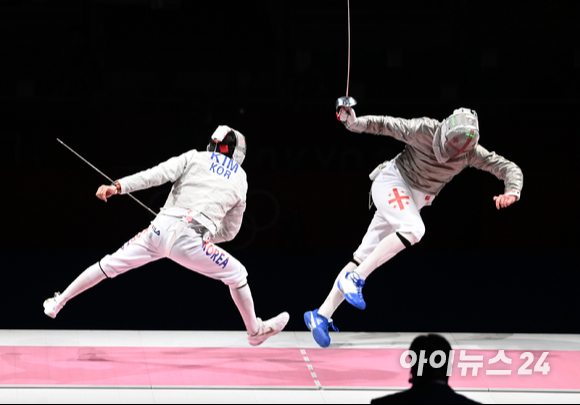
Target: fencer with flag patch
[
  {"x": 435, "y": 152},
  {"x": 205, "y": 207}
]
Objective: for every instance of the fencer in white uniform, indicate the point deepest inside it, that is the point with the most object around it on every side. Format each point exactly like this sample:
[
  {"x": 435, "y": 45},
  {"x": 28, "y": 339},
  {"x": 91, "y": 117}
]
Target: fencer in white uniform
[
  {"x": 435, "y": 152},
  {"x": 205, "y": 207}
]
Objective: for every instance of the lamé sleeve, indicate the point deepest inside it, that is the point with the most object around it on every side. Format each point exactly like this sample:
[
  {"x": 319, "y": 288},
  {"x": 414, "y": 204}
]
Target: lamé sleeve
[
  {"x": 404, "y": 130},
  {"x": 500, "y": 167}
]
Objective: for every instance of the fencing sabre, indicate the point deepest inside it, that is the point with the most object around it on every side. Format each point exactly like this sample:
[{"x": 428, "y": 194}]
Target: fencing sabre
[
  {"x": 104, "y": 175},
  {"x": 346, "y": 101}
]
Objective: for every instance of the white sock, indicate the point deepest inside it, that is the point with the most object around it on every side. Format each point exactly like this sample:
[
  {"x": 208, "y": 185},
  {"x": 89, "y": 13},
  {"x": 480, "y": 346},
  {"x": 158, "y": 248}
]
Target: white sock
[
  {"x": 245, "y": 303},
  {"x": 89, "y": 278},
  {"x": 384, "y": 252},
  {"x": 336, "y": 297}
]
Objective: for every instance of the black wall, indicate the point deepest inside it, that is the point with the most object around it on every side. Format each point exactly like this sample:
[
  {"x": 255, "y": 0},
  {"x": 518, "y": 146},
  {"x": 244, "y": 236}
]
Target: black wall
[{"x": 131, "y": 83}]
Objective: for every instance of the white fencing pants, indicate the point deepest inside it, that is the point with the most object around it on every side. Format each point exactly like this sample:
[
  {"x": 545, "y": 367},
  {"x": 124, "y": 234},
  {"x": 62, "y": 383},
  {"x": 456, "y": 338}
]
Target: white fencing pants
[
  {"x": 169, "y": 237},
  {"x": 398, "y": 211},
  {"x": 397, "y": 223}
]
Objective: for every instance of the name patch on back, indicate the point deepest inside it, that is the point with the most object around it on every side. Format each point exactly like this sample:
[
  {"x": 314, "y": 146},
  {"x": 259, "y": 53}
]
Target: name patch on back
[{"x": 223, "y": 165}]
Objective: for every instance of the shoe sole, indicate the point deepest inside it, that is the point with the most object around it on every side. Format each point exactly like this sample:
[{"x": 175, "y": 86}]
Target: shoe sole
[
  {"x": 50, "y": 314},
  {"x": 321, "y": 338},
  {"x": 357, "y": 306},
  {"x": 317, "y": 333}
]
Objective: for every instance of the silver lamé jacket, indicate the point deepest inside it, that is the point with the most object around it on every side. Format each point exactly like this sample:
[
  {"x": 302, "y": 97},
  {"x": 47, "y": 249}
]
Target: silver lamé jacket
[{"x": 418, "y": 164}]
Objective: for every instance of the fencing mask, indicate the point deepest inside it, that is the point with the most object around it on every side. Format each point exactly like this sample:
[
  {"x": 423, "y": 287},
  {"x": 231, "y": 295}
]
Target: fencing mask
[
  {"x": 229, "y": 142},
  {"x": 457, "y": 135}
]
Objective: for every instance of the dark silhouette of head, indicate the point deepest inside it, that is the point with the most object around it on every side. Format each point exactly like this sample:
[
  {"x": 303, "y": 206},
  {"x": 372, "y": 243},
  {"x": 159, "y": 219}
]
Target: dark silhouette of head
[
  {"x": 430, "y": 344},
  {"x": 431, "y": 387}
]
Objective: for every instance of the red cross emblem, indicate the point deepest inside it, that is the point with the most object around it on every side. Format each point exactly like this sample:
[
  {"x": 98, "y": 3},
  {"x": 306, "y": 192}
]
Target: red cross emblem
[
  {"x": 398, "y": 199},
  {"x": 459, "y": 151}
]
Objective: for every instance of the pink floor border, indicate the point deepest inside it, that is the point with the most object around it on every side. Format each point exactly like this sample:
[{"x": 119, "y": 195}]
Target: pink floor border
[{"x": 263, "y": 367}]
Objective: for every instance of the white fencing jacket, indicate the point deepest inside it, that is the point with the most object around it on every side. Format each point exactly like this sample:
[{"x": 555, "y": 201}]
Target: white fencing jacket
[{"x": 208, "y": 187}]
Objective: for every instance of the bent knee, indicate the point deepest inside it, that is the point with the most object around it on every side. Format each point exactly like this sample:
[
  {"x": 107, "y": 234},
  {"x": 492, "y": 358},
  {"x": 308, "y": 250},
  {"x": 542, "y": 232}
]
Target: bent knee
[
  {"x": 107, "y": 268},
  {"x": 237, "y": 280},
  {"x": 413, "y": 235},
  {"x": 238, "y": 284}
]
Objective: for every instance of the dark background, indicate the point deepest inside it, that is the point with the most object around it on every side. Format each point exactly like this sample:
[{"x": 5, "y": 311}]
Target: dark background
[{"x": 131, "y": 83}]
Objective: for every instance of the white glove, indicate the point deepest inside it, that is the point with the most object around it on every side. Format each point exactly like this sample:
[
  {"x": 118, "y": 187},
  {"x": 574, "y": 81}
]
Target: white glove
[{"x": 346, "y": 115}]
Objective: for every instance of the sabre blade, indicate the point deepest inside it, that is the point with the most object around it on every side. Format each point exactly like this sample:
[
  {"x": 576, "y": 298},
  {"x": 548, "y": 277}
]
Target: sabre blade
[
  {"x": 348, "y": 71},
  {"x": 346, "y": 102},
  {"x": 85, "y": 160},
  {"x": 104, "y": 175}
]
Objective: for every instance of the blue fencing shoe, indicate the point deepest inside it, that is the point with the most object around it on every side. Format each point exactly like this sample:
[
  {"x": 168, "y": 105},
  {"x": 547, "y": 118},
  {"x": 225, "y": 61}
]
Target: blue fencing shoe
[
  {"x": 351, "y": 285},
  {"x": 319, "y": 327}
]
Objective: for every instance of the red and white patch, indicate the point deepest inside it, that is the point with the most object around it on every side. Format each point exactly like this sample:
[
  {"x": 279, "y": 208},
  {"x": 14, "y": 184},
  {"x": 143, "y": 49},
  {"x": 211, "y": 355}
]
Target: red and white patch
[{"x": 399, "y": 200}]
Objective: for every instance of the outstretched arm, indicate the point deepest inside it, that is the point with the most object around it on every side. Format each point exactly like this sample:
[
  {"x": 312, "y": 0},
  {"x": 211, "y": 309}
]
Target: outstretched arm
[
  {"x": 168, "y": 171},
  {"x": 503, "y": 169},
  {"x": 401, "y": 129}
]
